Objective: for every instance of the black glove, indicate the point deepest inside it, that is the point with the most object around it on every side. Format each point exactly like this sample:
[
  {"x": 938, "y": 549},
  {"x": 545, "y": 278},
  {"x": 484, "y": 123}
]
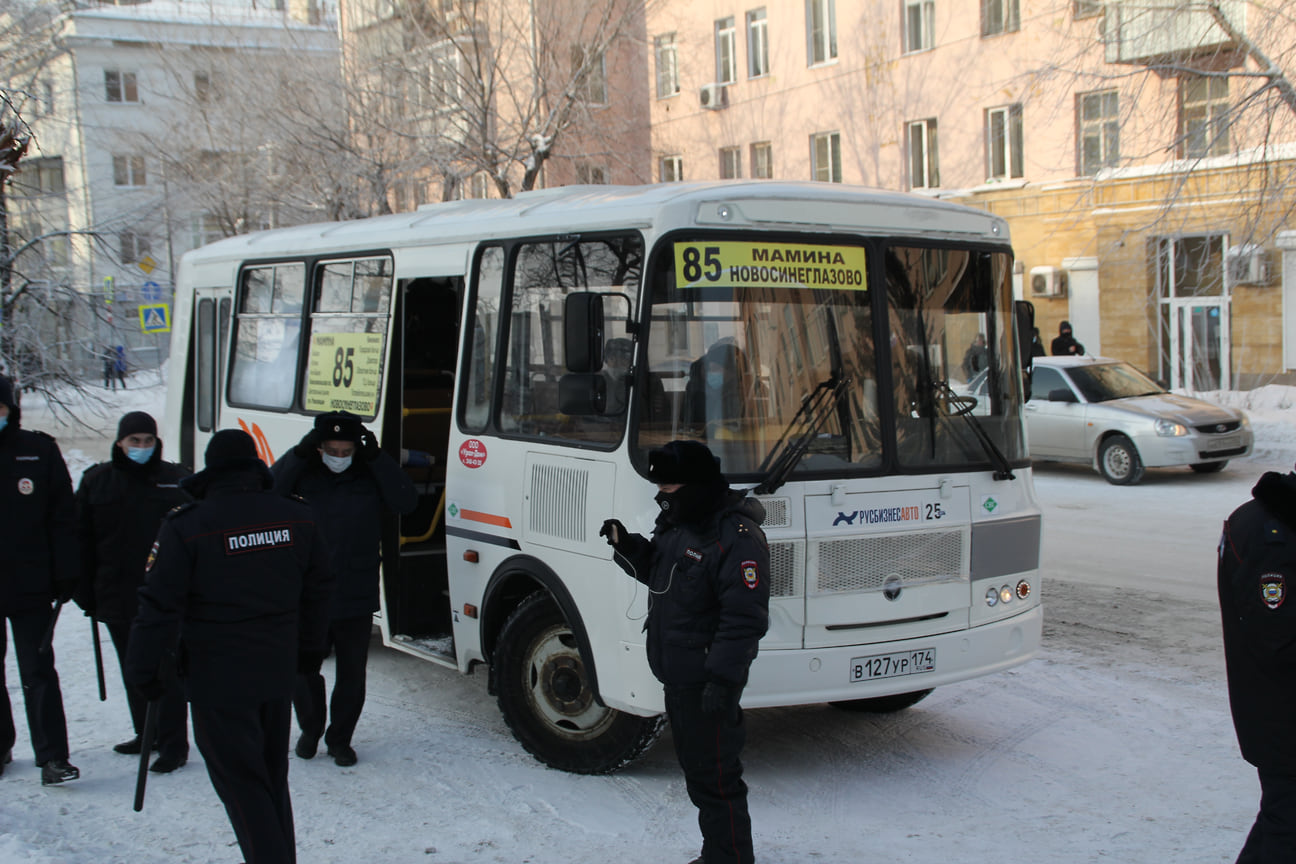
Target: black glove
[
  {"x": 718, "y": 698},
  {"x": 152, "y": 690},
  {"x": 309, "y": 662},
  {"x": 369, "y": 448},
  {"x": 614, "y": 531},
  {"x": 309, "y": 443}
]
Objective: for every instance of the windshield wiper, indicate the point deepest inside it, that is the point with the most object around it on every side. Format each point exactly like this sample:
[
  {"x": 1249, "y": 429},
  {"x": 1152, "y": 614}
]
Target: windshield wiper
[
  {"x": 805, "y": 425},
  {"x": 945, "y": 397}
]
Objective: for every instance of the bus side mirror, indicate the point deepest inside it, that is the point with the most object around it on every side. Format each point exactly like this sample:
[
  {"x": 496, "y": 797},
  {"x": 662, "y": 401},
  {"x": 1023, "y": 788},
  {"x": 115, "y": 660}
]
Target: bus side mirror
[
  {"x": 583, "y": 332},
  {"x": 1024, "y": 319},
  {"x": 582, "y": 393}
]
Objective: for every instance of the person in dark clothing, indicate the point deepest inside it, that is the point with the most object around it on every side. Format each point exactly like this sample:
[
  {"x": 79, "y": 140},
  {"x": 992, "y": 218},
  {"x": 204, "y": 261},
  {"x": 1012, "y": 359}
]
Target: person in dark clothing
[
  {"x": 1257, "y": 569},
  {"x": 339, "y": 469},
  {"x": 717, "y": 387},
  {"x": 707, "y": 572},
  {"x": 1037, "y": 344},
  {"x": 236, "y": 590},
  {"x": 120, "y": 505},
  {"x": 40, "y": 567},
  {"x": 976, "y": 357},
  {"x": 1065, "y": 344}
]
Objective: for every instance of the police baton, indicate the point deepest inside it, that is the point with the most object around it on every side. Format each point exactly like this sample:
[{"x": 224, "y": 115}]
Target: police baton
[
  {"x": 47, "y": 641},
  {"x": 98, "y": 649},
  {"x": 146, "y": 750}
]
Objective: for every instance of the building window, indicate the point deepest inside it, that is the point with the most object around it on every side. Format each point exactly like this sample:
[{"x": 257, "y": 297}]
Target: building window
[
  {"x": 825, "y": 157},
  {"x": 762, "y": 160},
  {"x": 443, "y": 70},
  {"x": 1099, "y": 138},
  {"x": 923, "y": 170},
  {"x": 667, "y": 65},
  {"x": 134, "y": 246},
  {"x": 821, "y": 30},
  {"x": 1204, "y": 109},
  {"x": 120, "y": 86},
  {"x": 591, "y": 174},
  {"x": 48, "y": 174},
  {"x": 204, "y": 88},
  {"x": 730, "y": 163},
  {"x": 477, "y": 186},
  {"x": 919, "y": 24},
  {"x": 670, "y": 169},
  {"x": 1000, "y": 16},
  {"x": 757, "y": 43},
  {"x": 128, "y": 171},
  {"x": 590, "y": 73},
  {"x": 1004, "y": 142},
  {"x": 726, "y": 51},
  {"x": 1088, "y": 8},
  {"x": 204, "y": 228},
  {"x": 42, "y": 100}
]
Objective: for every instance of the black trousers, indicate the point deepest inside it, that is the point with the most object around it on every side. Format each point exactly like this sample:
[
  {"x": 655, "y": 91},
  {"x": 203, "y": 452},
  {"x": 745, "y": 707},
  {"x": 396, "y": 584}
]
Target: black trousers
[
  {"x": 708, "y": 747},
  {"x": 246, "y": 751},
  {"x": 1273, "y": 837},
  {"x": 173, "y": 710},
  {"x": 40, "y": 685},
  {"x": 348, "y": 639}
]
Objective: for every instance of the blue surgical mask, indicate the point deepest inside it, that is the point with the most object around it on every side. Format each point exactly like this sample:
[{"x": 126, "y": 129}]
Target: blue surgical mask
[
  {"x": 336, "y": 464},
  {"x": 715, "y": 380},
  {"x": 4, "y": 421},
  {"x": 140, "y": 455}
]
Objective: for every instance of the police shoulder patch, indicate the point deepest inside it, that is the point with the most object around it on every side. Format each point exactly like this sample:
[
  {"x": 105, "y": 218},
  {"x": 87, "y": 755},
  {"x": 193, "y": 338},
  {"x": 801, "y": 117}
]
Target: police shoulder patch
[
  {"x": 750, "y": 574},
  {"x": 152, "y": 556},
  {"x": 1273, "y": 589}
]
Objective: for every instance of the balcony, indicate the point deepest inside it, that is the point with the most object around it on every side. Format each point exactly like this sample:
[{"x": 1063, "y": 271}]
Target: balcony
[{"x": 1159, "y": 31}]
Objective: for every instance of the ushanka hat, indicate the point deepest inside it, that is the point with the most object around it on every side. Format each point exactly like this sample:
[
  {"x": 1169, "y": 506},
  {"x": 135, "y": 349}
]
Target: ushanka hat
[
  {"x": 339, "y": 426},
  {"x": 683, "y": 462}
]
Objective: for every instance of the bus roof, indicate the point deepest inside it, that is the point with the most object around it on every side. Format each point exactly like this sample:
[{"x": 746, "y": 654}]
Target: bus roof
[{"x": 768, "y": 205}]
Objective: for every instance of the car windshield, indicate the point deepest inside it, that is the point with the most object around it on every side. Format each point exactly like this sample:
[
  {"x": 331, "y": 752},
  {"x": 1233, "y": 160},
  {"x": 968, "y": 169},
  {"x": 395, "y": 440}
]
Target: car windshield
[{"x": 1105, "y": 381}]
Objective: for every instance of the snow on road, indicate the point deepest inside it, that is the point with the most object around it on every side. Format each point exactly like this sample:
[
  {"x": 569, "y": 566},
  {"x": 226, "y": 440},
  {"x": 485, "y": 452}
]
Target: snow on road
[{"x": 1113, "y": 745}]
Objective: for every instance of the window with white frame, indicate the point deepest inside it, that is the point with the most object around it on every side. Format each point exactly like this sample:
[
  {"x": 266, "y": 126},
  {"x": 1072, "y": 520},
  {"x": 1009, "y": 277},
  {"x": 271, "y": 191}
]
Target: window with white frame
[
  {"x": 43, "y": 101},
  {"x": 664, "y": 49},
  {"x": 924, "y": 172},
  {"x": 120, "y": 86},
  {"x": 128, "y": 171},
  {"x": 205, "y": 87},
  {"x": 589, "y": 173},
  {"x": 1004, "y": 142},
  {"x": 204, "y": 228},
  {"x": 821, "y": 31},
  {"x": 726, "y": 51},
  {"x": 590, "y": 72},
  {"x": 825, "y": 157},
  {"x": 48, "y": 173},
  {"x": 757, "y": 43},
  {"x": 1099, "y": 139},
  {"x": 670, "y": 169},
  {"x": 919, "y": 24},
  {"x": 730, "y": 163},
  {"x": 1000, "y": 16},
  {"x": 134, "y": 246},
  {"x": 762, "y": 160},
  {"x": 1204, "y": 108},
  {"x": 444, "y": 76},
  {"x": 1088, "y": 8}
]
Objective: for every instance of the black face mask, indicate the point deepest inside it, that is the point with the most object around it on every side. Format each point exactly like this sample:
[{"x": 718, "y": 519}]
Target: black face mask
[{"x": 690, "y": 504}]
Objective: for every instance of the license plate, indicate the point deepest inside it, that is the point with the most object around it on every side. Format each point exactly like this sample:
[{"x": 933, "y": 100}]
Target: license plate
[
  {"x": 892, "y": 665},
  {"x": 1224, "y": 442}
]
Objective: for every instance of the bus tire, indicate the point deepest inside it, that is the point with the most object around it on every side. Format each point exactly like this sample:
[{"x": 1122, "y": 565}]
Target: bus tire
[
  {"x": 883, "y": 704},
  {"x": 545, "y": 696}
]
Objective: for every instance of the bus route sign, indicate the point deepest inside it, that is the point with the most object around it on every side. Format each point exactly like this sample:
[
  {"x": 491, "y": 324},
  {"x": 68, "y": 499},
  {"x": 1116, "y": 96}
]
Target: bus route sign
[
  {"x": 770, "y": 265},
  {"x": 343, "y": 372}
]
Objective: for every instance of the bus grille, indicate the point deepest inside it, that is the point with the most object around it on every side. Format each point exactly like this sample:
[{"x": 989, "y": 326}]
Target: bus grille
[
  {"x": 558, "y": 501},
  {"x": 777, "y": 512},
  {"x": 862, "y": 563},
  {"x": 787, "y": 569}
]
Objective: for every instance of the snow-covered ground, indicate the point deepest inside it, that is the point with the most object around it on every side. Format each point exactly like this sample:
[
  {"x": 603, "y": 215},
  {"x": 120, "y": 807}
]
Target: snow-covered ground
[{"x": 1114, "y": 745}]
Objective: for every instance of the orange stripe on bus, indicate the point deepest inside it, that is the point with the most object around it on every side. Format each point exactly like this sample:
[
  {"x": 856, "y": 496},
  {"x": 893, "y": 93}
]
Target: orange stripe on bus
[{"x": 488, "y": 518}]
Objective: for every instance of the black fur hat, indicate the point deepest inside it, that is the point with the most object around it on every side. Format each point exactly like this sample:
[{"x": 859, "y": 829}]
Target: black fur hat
[
  {"x": 683, "y": 462},
  {"x": 339, "y": 426}
]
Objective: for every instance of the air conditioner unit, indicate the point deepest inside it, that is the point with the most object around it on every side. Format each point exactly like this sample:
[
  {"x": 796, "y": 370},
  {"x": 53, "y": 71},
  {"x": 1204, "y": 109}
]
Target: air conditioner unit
[
  {"x": 1048, "y": 282},
  {"x": 714, "y": 96},
  {"x": 1248, "y": 264}
]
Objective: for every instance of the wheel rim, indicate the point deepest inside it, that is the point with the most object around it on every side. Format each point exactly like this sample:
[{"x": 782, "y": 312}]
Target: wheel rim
[
  {"x": 1118, "y": 461},
  {"x": 557, "y": 688}
]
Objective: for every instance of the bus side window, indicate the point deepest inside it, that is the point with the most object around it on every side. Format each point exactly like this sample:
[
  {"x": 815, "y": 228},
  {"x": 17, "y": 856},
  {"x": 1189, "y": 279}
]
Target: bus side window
[
  {"x": 267, "y": 333},
  {"x": 484, "y": 314}
]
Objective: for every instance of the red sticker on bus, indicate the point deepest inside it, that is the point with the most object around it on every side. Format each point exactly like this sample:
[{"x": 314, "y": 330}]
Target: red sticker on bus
[{"x": 472, "y": 453}]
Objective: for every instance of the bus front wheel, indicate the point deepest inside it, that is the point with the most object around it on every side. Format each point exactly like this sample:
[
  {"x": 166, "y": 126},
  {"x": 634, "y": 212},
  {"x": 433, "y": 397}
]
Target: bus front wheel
[
  {"x": 544, "y": 693},
  {"x": 883, "y": 704}
]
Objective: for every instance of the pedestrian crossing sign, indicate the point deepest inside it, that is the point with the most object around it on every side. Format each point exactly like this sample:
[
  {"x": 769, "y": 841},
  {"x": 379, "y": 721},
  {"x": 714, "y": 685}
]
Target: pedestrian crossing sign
[{"x": 154, "y": 318}]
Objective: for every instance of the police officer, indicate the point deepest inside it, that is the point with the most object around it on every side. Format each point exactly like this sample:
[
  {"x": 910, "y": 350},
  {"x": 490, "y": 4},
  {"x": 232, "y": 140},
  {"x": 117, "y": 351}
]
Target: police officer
[
  {"x": 1257, "y": 572},
  {"x": 36, "y": 534},
  {"x": 707, "y": 569},
  {"x": 120, "y": 504},
  {"x": 238, "y": 585},
  {"x": 339, "y": 469}
]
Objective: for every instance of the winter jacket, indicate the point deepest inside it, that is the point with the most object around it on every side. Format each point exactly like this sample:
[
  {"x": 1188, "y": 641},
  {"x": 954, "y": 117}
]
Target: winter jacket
[
  {"x": 120, "y": 506},
  {"x": 239, "y": 585},
  {"x": 1256, "y": 575},
  {"x": 38, "y": 527},
  {"x": 348, "y": 508},
  {"x": 709, "y": 605}
]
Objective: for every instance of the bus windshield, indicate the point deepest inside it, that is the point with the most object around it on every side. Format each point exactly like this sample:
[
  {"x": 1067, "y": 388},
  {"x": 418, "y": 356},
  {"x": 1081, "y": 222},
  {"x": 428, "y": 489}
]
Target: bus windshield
[{"x": 762, "y": 349}]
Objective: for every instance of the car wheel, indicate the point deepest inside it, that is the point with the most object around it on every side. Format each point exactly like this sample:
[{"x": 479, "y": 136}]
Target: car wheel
[
  {"x": 1119, "y": 462},
  {"x": 1208, "y": 467},
  {"x": 883, "y": 704}
]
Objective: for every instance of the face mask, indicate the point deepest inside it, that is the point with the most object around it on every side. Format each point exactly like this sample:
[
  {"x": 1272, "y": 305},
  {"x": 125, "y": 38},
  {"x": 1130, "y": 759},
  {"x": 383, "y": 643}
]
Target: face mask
[
  {"x": 715, "y": 380},
  {"x": 4, "y": 421},
  {"x": 336, "y": 464},
  {"x": 140, "y": 455}
]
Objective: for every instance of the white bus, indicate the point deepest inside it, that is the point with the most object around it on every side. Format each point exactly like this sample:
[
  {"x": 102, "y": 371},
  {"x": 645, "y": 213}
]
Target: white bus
[{"x": 522, "y": 356}]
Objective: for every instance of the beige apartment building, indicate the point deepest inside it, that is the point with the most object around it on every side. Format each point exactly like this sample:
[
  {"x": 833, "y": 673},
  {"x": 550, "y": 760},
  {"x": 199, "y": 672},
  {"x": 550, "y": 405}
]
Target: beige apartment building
[{"x": 1143, "y": 152}]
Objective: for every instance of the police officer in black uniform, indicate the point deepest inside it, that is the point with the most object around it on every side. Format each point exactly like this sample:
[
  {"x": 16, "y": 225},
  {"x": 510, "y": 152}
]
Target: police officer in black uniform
[
  {"x": 707, "y": 571},
  {"x": 120, "y": 505},
  {"x": 37, "y": 534},
  {"x": 238, "y": 585},
  {"x": 1257, "y": 573},
  {"x": 339, "y": 469}
]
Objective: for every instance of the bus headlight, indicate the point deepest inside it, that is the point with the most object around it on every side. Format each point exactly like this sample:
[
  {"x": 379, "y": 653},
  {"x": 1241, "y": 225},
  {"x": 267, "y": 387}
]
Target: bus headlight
[
  {"x": 992, "y": 596},
  {"x": 1005, "y": 594}
]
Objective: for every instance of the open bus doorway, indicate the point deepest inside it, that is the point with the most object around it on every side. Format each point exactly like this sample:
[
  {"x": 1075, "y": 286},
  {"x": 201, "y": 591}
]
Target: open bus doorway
[{"x": 417, "y": 420}]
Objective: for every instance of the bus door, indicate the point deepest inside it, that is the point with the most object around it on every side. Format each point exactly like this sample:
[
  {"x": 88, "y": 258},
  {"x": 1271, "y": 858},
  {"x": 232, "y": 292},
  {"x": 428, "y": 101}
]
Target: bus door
[
  {"x": 211, "y": 323},
  {"x": 416, "y": 424}
]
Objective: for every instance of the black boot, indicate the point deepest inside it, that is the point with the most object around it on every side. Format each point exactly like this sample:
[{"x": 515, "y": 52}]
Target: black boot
[
  {"x": 58, "y": 771},
  {"x": 166, "y": 764},
  {"x": 343, "y": 755},
  {"x": 129, "y": 748},
  {"x": 8, "y": 757},
  {"x": 306, "y": 746}
]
